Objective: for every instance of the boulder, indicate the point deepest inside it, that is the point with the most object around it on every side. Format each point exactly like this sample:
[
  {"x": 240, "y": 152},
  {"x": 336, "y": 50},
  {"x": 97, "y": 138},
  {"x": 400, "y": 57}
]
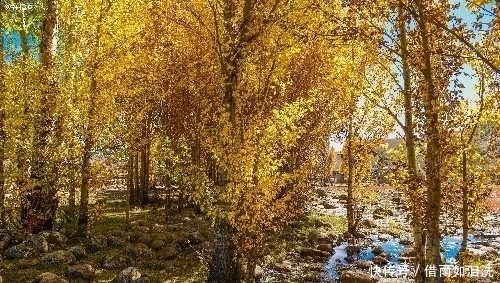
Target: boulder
[
  {"x": 5, "y": 240},
  {"x": 319, "y": 237},
  {"x": 356, "y": 276},
  {"x": 321, "y": 193},
  {"x": 54, "y": 237},
  {"x": 352, "y": 249},
  {"x": 128, "y": 275},
  {"x": 326, "y": 248},
  {"x": 97, "y": 243},
  {"x": 81, "y": 271},
  {"x": 115, "y": 261},
  {"x": 37, "y": 242},
  {"x": 19, "y": 251},
  {"x": 59, "y": 257},
  {"x": 139, "y": 251},
  {"x": 408, "y": 252},
  {"x": 368, "y": 223},
  {"x": 167, "y": 253},
  {"x": 258, "y": 272},
  {"x": 157, "y": 245},
  {"x": 305, "y": 252},
  {"x": 379, "y": 260},
  {"x": 328, "y": 205},
  {"x": 49, "y": 277},
  {"x": 116, "y": 241},
  {"x": 78, "y": 251},
  {"x": 363, "y": 264},
  {"x": 284, "y": 266},
  {"x": 377, "y": 250}
]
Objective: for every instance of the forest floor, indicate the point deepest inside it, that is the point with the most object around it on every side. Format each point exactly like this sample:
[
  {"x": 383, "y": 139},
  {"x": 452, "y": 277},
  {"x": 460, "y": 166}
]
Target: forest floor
[{"x": 311, "y": 249}]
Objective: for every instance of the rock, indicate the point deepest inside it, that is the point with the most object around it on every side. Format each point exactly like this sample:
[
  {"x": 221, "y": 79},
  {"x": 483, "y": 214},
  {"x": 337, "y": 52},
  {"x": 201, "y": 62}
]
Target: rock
[
  {"x": 363, "y": 264},
  {"x": 304, "y": 252},
  {"x": 5, "y": 240},
  {"x": 141, "y": 229},
  {"x": 377, "y": 250},
  {"x": 79, "y": 252},
  {"x": 54, "y": 237},
  {"x": 167, "y": 253},
  {"x": 380, "y": 213},
  {"x": 379, "y": 260},
  {"x": 194, "y": 238},
  {"x": 315, "y": 267},
  {"x": 325, "y": 247},
  {"x": 81, "y": 271},
  {"x": 321, "y": 193},
  {"x": 59, "y": 257},
  {"x": 384, "y": 237},
  {"x": 19, "y": 251},
  {"x": 139, "y": 251},
  {"x": 283, "y": 266},
  {"x": 49, "y": 277},
  {"x": 258, "y": 272},
  {"x": 312, "y": 277},
  {"x": 368, "y": 223},
  {"x": 37, "y": 242},
  {"x": 358, "y": 235},
  {"x": 327, "y": 205},
  {"x": 408, "y": 252},
  {"x": 157, "y": 245},
  {"x": 342, "y": 197},
  {"x": 142, "y": 279},
  {"x": 115, "y": 261},
  {"x": 356, "y": 276},
  {"x": 319, "y": 237},
  {"x": 141, "y": 238},
  {"x": 352, "y": 249},
  {"x": 128, "y": 275},
  {"x": 116, "y": 241},
  {"x": 97, "y": 243}
]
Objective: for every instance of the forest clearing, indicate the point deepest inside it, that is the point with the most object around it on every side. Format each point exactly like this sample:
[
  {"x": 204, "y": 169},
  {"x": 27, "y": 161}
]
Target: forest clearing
[{"x": 239, "y": 141}]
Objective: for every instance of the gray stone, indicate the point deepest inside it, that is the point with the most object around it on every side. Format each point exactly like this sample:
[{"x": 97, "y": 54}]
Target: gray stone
[
  {"x": 97, "y": 243},
  {"x": 115, "y": 261},
  {"x": 54, "y": 237},
  {"x": 5, "y": 240},
  {"x": 305, "y": 252},
  {"x": 79, "y": 252},
  {"x": 167, "y": 253},
  {"x": 37, "y": 242},
  {"x": 363, "y": 264},
  {"x": 49, "y": 277},
  {"x": 81, "y": 271},
  {"x": 380, "y": 260},
  {"x": 325, "y": 247},
  {"x": 356, "y": 276},
  {"x": 139, "y": 252},
  {"x": 352, "y": 249},
  {"x": 128, "y": 275},
  {"x": 377, "y": 250},
  {"x": 19, "y": 251},
  {"x": 116, "y": 241},
  {"x": 59, "y": 257}
]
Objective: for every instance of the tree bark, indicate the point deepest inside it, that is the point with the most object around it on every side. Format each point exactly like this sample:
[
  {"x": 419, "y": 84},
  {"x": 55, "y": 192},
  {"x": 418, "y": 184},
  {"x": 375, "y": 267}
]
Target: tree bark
[
  {"x": 41, "y": 199},
  {"x": 416, "y": 209},
  {"x": 224, "y": 265},
  {"x": 350, "y": 175},
  {"x": 433, "y": 153},
  {"x": 3, "y": 136}
]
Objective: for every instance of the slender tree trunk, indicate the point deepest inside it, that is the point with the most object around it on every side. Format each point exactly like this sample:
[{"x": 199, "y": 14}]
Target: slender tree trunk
[
  {"x": 42, "y": 199},
  {"x": 83, "y": 217},
  {"x": 416, "y": 210},
  {"x": 143, "y": 191},
  {"x": 350, "y": 176},
  {"x": 3, "y": 136},
  {"x": 433, "y": 154},
  {"x": 226, "y": 268},
  {"x": 130, "y": 185},
  {"x": 137, "y": 185}
]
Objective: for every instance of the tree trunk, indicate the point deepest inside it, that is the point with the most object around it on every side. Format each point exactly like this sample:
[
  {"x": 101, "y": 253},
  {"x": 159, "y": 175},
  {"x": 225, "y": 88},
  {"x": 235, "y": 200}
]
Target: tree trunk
[
  {"x": 41, "y": 199},
  {"x": 224, "y": 265},
  {"x": 142, "y": 178},
  {"x": 3, "y": 136},
  {"x": 350, "y": 175},
  {"x": 433, "y": 154},
  {"x": 130, "y": 185},
  {"x": 416, "y": 209},
  {"x": 137, "y": 185}
]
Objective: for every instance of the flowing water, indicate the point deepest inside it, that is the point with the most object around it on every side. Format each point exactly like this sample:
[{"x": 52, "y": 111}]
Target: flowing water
[{"x": 450, "y": 244}]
